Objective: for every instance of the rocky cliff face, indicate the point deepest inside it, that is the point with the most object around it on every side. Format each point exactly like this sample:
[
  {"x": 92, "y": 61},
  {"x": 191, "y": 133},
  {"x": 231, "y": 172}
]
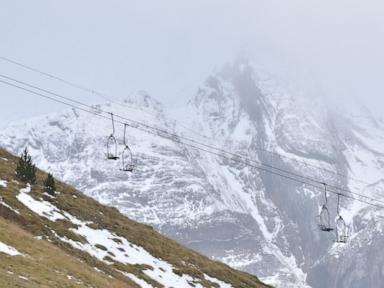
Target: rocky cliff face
[{"x": 244, "y": 216}]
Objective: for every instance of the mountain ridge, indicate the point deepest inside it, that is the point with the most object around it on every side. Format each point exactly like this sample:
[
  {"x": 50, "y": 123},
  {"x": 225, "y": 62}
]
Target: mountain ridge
[{"x": 222, "y": 208}]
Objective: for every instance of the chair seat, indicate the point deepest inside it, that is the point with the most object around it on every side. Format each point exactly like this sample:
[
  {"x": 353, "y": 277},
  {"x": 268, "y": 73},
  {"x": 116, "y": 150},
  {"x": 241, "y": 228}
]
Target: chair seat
[
  {"x": 112, "y": 157},
  {"x": 325, "y": 228}
]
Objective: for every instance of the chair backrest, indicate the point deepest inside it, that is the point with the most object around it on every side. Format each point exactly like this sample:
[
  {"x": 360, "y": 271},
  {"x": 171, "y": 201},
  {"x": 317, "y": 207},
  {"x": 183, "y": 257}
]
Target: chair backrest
[
  {"x": 341, "y": 230},
  {"x": 324, "y": 219},
  {"x": 127, "y": 160},
  {"x": 112, "y": 148}
]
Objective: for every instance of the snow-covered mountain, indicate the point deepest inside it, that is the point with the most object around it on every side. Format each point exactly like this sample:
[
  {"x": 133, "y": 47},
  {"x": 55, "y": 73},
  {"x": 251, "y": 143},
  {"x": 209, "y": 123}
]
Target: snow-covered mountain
[{"x": 251, "y": 219}]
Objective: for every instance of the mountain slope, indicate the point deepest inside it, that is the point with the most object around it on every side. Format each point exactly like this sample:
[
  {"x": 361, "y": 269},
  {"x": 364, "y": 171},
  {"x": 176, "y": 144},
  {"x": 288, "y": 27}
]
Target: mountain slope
[
  {"x": 72, "y": 241},
  {"x": 250, "y": 116},
  {"x": 250, "y": 219},
  {"x": 187, "y": 195}
]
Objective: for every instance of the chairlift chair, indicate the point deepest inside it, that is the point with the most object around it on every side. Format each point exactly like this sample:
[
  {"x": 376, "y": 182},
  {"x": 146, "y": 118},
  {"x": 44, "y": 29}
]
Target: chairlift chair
[
  {"x": 341, "y": 230},
  {"x": 112, "y": 143},
  {"x": 325, "y": 219},
  {"x": 341, "y": 226},
  {"x": 324, "y": 216},
  {"x": 127, "y": 163}
]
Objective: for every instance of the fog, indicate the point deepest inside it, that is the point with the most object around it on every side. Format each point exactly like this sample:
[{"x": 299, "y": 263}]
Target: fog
[{"x": 316, "y": 48}]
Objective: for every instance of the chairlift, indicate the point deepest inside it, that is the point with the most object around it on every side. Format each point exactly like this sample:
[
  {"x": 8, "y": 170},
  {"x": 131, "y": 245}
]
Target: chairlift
[
  {"x": 112, "y": 143},
  {"x": 127, "y": 164},
  {"x": 341, "y": 226},
  {"x": 324, "y": 216}
]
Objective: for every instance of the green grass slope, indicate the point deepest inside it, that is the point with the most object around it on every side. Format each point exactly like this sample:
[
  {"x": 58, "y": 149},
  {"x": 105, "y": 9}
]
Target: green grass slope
[{"x": 47, "y": 261}]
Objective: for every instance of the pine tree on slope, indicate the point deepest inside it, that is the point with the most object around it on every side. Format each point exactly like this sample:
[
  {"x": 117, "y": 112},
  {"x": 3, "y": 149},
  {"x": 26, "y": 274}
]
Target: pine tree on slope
[
  {"x": 49, "y": 185},
  {"x": 26, "y": 170}
]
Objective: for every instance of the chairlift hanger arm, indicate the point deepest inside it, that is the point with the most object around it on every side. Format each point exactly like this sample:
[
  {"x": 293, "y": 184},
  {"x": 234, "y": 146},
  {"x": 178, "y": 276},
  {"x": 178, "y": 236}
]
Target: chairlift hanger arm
[
  {"x": 113, "y": 123},
  {"x": 325, "y": 193},
  {"x": 125, "y": 133}
]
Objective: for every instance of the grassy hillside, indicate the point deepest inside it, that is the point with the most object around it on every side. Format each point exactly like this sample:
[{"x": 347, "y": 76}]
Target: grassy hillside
[{"x": 59, "y": 244}]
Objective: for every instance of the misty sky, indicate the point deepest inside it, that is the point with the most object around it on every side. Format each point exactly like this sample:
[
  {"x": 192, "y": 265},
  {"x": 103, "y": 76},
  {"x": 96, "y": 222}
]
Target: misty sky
[{"x": 329, "y": 47}]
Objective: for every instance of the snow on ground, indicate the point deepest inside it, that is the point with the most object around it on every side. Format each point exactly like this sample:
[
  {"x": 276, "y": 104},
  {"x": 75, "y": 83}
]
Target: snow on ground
[
  {"x": 41, "y": 208},
  {"x": 120, "y": 250},
  {"x": 137, "y": 280},
  {"x": 218, "y": 282},
  {"x": 9, "y": 207},
  {"x": 26, "y": 189},
  {"x": 273, "y": 281},
  {"x": 4, "y": 248},
  {"x": 238, "y": 260},
  {"x": 3, "y": 183},
  {"x": 102, "y": 243},
  {"x": 363, "y": 164}
]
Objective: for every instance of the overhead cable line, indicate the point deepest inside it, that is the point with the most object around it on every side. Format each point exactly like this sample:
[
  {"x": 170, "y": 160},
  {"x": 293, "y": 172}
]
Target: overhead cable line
[
  {"x": 86, "y": 89},
  {"x": 172, "y": 136},
  {"x": 218, "y": 152},
  {"x": 107, "y": 97}
]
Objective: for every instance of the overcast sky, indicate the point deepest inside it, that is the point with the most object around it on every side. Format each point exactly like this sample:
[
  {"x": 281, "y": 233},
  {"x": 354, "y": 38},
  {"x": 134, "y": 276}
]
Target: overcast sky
[{"x": 167, "y": 47}]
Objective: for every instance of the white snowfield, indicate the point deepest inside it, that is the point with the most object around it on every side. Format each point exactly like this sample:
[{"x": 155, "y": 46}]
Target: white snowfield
[
  {"x": 102, "y": 243},
  {"x": 4, "y": 248}
]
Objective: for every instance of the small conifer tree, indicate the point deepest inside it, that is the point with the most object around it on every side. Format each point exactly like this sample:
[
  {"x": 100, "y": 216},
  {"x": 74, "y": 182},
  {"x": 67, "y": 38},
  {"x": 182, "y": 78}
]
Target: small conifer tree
[
  {"x": 26, "y": 170},
  {"x": 49, "y": 185}
]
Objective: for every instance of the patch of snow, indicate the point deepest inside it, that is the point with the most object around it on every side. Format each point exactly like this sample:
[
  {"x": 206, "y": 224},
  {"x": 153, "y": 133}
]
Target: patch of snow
[
  {"x": 70, "y": 277},
  {"x": 23, "y": 277},
  {"x": 48, "y": 195},
  {"x": 3, "y": 183},
  {"x": 26, "y": 189},
  {"x": 239, "y": 261},
  {"x": 42, "y": 208},
  {"x": 9, "y": 207},
  {"x": 274, "y": 281},
  {"x": 137, "y": 280},
  {"x": 3, "y": 159},
  {"x": 98, "y": 270},
  {"x": 221, "y": 284},
  {"x": 9, "y": 250}
]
